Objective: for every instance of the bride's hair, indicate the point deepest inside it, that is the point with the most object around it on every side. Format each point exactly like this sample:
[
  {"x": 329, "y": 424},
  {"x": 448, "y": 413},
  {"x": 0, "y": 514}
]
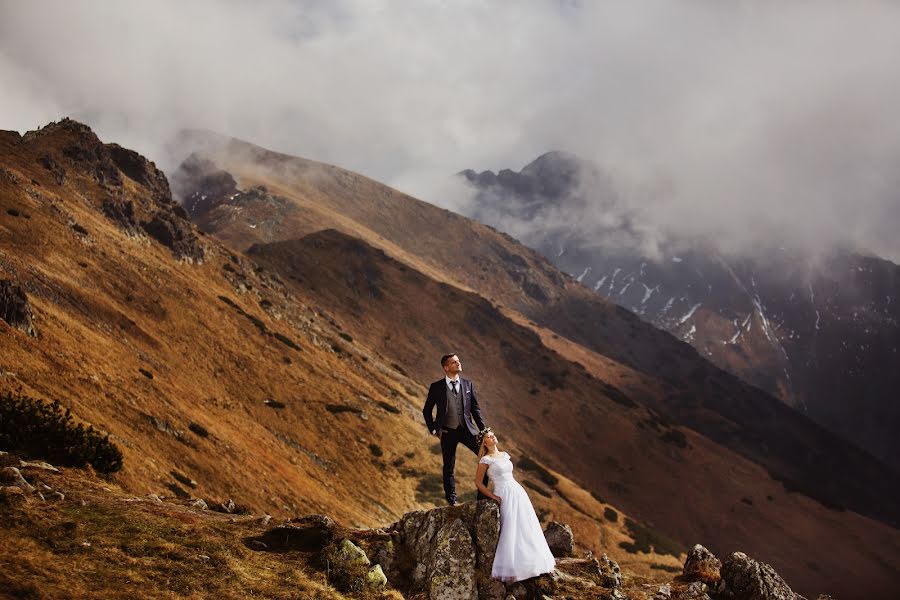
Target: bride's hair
[{"x": 482, "y": 449}]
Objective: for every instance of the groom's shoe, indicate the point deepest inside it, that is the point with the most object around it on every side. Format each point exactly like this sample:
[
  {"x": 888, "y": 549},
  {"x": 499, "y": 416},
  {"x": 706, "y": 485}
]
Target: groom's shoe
[{"x": 452, "y": 502}]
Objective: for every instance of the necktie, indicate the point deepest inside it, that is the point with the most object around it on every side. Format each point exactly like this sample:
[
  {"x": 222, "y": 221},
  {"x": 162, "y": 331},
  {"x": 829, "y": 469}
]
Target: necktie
[{"x": 453, "y": 385}]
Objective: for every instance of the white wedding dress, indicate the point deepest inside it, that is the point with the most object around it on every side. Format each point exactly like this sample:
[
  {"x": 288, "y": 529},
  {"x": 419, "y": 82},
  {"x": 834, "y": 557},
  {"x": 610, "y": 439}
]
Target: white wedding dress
[{"x": 522, "y": 551}]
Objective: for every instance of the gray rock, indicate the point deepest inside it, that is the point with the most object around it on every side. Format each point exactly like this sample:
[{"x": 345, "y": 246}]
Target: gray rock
[
  {"x": 560, "y": 539},
  {"x": 747, "y": 579},
  {"x": 200, "y": 503},
  {"x": 702, "y": 565},
  {"x": 15, "y": 308},
  {"x": 12, "y": 476},
  {"x": 453, "y": 573},
  {"x": 610, "y": 573},
  {"x": 154, "y": 498}
]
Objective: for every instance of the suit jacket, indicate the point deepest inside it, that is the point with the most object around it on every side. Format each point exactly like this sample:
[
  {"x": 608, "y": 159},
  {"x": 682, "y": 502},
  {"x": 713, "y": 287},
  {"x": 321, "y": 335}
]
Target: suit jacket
[{"x": 437, "y": 396}]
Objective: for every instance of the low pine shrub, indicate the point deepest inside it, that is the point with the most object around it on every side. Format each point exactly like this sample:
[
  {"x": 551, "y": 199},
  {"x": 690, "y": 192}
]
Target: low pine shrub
[{"x": 42, "y": 430}]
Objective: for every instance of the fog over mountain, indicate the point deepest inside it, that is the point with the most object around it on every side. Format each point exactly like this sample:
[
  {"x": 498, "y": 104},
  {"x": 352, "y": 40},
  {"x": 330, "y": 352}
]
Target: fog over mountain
[{"x": 734, "y": 120}]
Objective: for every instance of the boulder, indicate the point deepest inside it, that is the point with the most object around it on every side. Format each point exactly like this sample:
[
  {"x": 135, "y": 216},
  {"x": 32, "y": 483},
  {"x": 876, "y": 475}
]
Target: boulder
[
  {"x": 351, "y": 554},
  {"x": 11, "y": 476},
  {"x": 610, "y": 574},
  {"x": 423, "y": 552},
  {"x": 702, "y": 565},
  {"x": 15, "y": 308},
  {"x": 376, "y": 579},
  {"x": 453, "y": 571},
  {"x": 747, "y": 579},
  {"x": 560, "y": 539}
]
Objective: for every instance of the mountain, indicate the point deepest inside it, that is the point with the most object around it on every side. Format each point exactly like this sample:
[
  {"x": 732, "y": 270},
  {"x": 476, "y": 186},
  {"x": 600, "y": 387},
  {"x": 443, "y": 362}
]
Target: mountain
[
  {"x": 627, "y": 411},
  {"x": 820, "y": 333},
  {"x": 217, "y": 378}
]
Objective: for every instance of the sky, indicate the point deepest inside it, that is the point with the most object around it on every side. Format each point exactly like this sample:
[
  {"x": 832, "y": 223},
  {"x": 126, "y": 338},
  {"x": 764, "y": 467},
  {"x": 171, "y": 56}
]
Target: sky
[{"x": 713, "y": 117}]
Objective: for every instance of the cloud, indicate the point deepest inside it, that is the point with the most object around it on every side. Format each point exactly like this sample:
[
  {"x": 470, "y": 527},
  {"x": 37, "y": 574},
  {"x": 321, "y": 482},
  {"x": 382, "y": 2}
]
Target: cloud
[{"x": 730, "y": 118}]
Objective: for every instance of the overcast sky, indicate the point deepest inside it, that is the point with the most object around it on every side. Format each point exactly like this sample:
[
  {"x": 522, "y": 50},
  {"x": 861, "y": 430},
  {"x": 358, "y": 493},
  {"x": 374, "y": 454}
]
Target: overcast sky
[{"x": 715, "y": 116}]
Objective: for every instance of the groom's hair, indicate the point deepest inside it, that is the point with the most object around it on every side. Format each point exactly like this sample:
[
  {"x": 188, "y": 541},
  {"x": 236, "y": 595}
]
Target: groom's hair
[{"x": 446, "y": 358}]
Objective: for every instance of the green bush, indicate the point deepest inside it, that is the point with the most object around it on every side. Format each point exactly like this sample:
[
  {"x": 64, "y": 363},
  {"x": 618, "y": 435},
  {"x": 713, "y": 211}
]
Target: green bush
[{"x": 38, "y": 429}]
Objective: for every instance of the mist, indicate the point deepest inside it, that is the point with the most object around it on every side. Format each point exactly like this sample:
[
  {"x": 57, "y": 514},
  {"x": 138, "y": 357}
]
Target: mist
[{"x": 731, "y": 120}]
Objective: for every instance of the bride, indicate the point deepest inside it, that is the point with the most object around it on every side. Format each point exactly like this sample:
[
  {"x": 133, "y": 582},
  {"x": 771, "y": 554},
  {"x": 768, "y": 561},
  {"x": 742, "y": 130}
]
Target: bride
[{"x": 522, "y": 551}]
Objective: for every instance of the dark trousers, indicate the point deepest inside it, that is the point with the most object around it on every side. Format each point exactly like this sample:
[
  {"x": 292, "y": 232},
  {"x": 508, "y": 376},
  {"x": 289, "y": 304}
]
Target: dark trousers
[{"x": 449, "y": 440}]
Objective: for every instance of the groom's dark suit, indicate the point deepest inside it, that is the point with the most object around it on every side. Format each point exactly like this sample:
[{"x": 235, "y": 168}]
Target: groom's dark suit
[{"x": 470, "y": 423}]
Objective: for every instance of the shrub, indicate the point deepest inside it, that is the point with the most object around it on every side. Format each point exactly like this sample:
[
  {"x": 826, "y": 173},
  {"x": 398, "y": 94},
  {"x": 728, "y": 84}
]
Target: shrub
[
  {"x": 646, "y": 539},
  {"x": 610, "y": 514},
  {"x": 389, "y": 407},
  {"x": 339, "y": 408},
  {"x": 376, "y": 450},
  {"x": 38, "y": 429},
  {"x": 536, "y": 488},
  {"x": 198, "y": 429},
  {"x": 286, "y": 341},
  {"x": 542, "y": 473},
  {"x": 346, "y": 336},
  {"x": 675, "y": 437}
]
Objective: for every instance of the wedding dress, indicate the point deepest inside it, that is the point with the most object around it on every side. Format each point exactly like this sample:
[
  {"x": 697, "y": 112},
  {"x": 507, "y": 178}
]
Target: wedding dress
[{"x": 522, "y": 551}]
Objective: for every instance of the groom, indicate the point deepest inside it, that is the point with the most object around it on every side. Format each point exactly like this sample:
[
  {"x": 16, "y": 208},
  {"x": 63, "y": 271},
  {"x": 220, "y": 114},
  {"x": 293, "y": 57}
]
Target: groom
[{"x": 458, "y": 418}]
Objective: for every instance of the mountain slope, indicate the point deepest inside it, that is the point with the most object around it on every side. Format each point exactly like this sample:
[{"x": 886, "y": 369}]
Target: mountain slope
[
  {"x": 204, "y": 366},
  {"x": 272, "y": 202},
  {"x": 821, "y": 334}
]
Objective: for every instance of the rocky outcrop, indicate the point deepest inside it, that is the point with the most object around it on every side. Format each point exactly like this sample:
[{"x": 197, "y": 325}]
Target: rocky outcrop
[
  {"x": 176, "y": 233},
  {"x": 15, "y": 308},
  {"x": 560, "y": 539},
  {"x": 135, "y": 193},
  {"x": 746, "y": 579},
  {"x": 702, "y": 565}
]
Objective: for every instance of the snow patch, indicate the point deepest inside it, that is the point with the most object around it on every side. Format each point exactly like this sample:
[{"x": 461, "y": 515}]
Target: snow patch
[
  {"x": 583, "y": 273},
  {"x": 675, "y": 259},
  {"x": 690, "y": 313}
]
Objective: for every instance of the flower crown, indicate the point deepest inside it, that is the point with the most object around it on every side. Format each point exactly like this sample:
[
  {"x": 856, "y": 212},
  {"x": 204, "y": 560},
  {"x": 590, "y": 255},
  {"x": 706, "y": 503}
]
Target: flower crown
[{"x": 481, "y": 435}]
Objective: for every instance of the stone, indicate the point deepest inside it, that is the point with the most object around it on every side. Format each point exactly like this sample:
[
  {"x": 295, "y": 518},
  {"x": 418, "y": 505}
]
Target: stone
[
  {"x": 12, "y": 476},
  {"x": 154, "y": 498},
  {"x": 351, "y": 554},
  {"x": 453, "y": 573},
  {"x": 663, "y": 592},
  {"x": 748, "y": 579},
  {"x": 12, "y": 495},
  {"x": 610, "y": 574},
  {"x": 15, "y": 308},
  {"x": 560, "y": 539},
  {"x": 376, "y": 579},
  {"x": 702, "y": 565},
  {"x": 200, "y": 503},
  {"x": 40, "y": 465},
  {"x": 57, "y": 496}
]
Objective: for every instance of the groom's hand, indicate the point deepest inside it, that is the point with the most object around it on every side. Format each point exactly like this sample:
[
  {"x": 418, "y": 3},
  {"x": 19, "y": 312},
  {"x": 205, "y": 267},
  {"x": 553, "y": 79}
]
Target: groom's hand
[{"x": 437, "y": 433}]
